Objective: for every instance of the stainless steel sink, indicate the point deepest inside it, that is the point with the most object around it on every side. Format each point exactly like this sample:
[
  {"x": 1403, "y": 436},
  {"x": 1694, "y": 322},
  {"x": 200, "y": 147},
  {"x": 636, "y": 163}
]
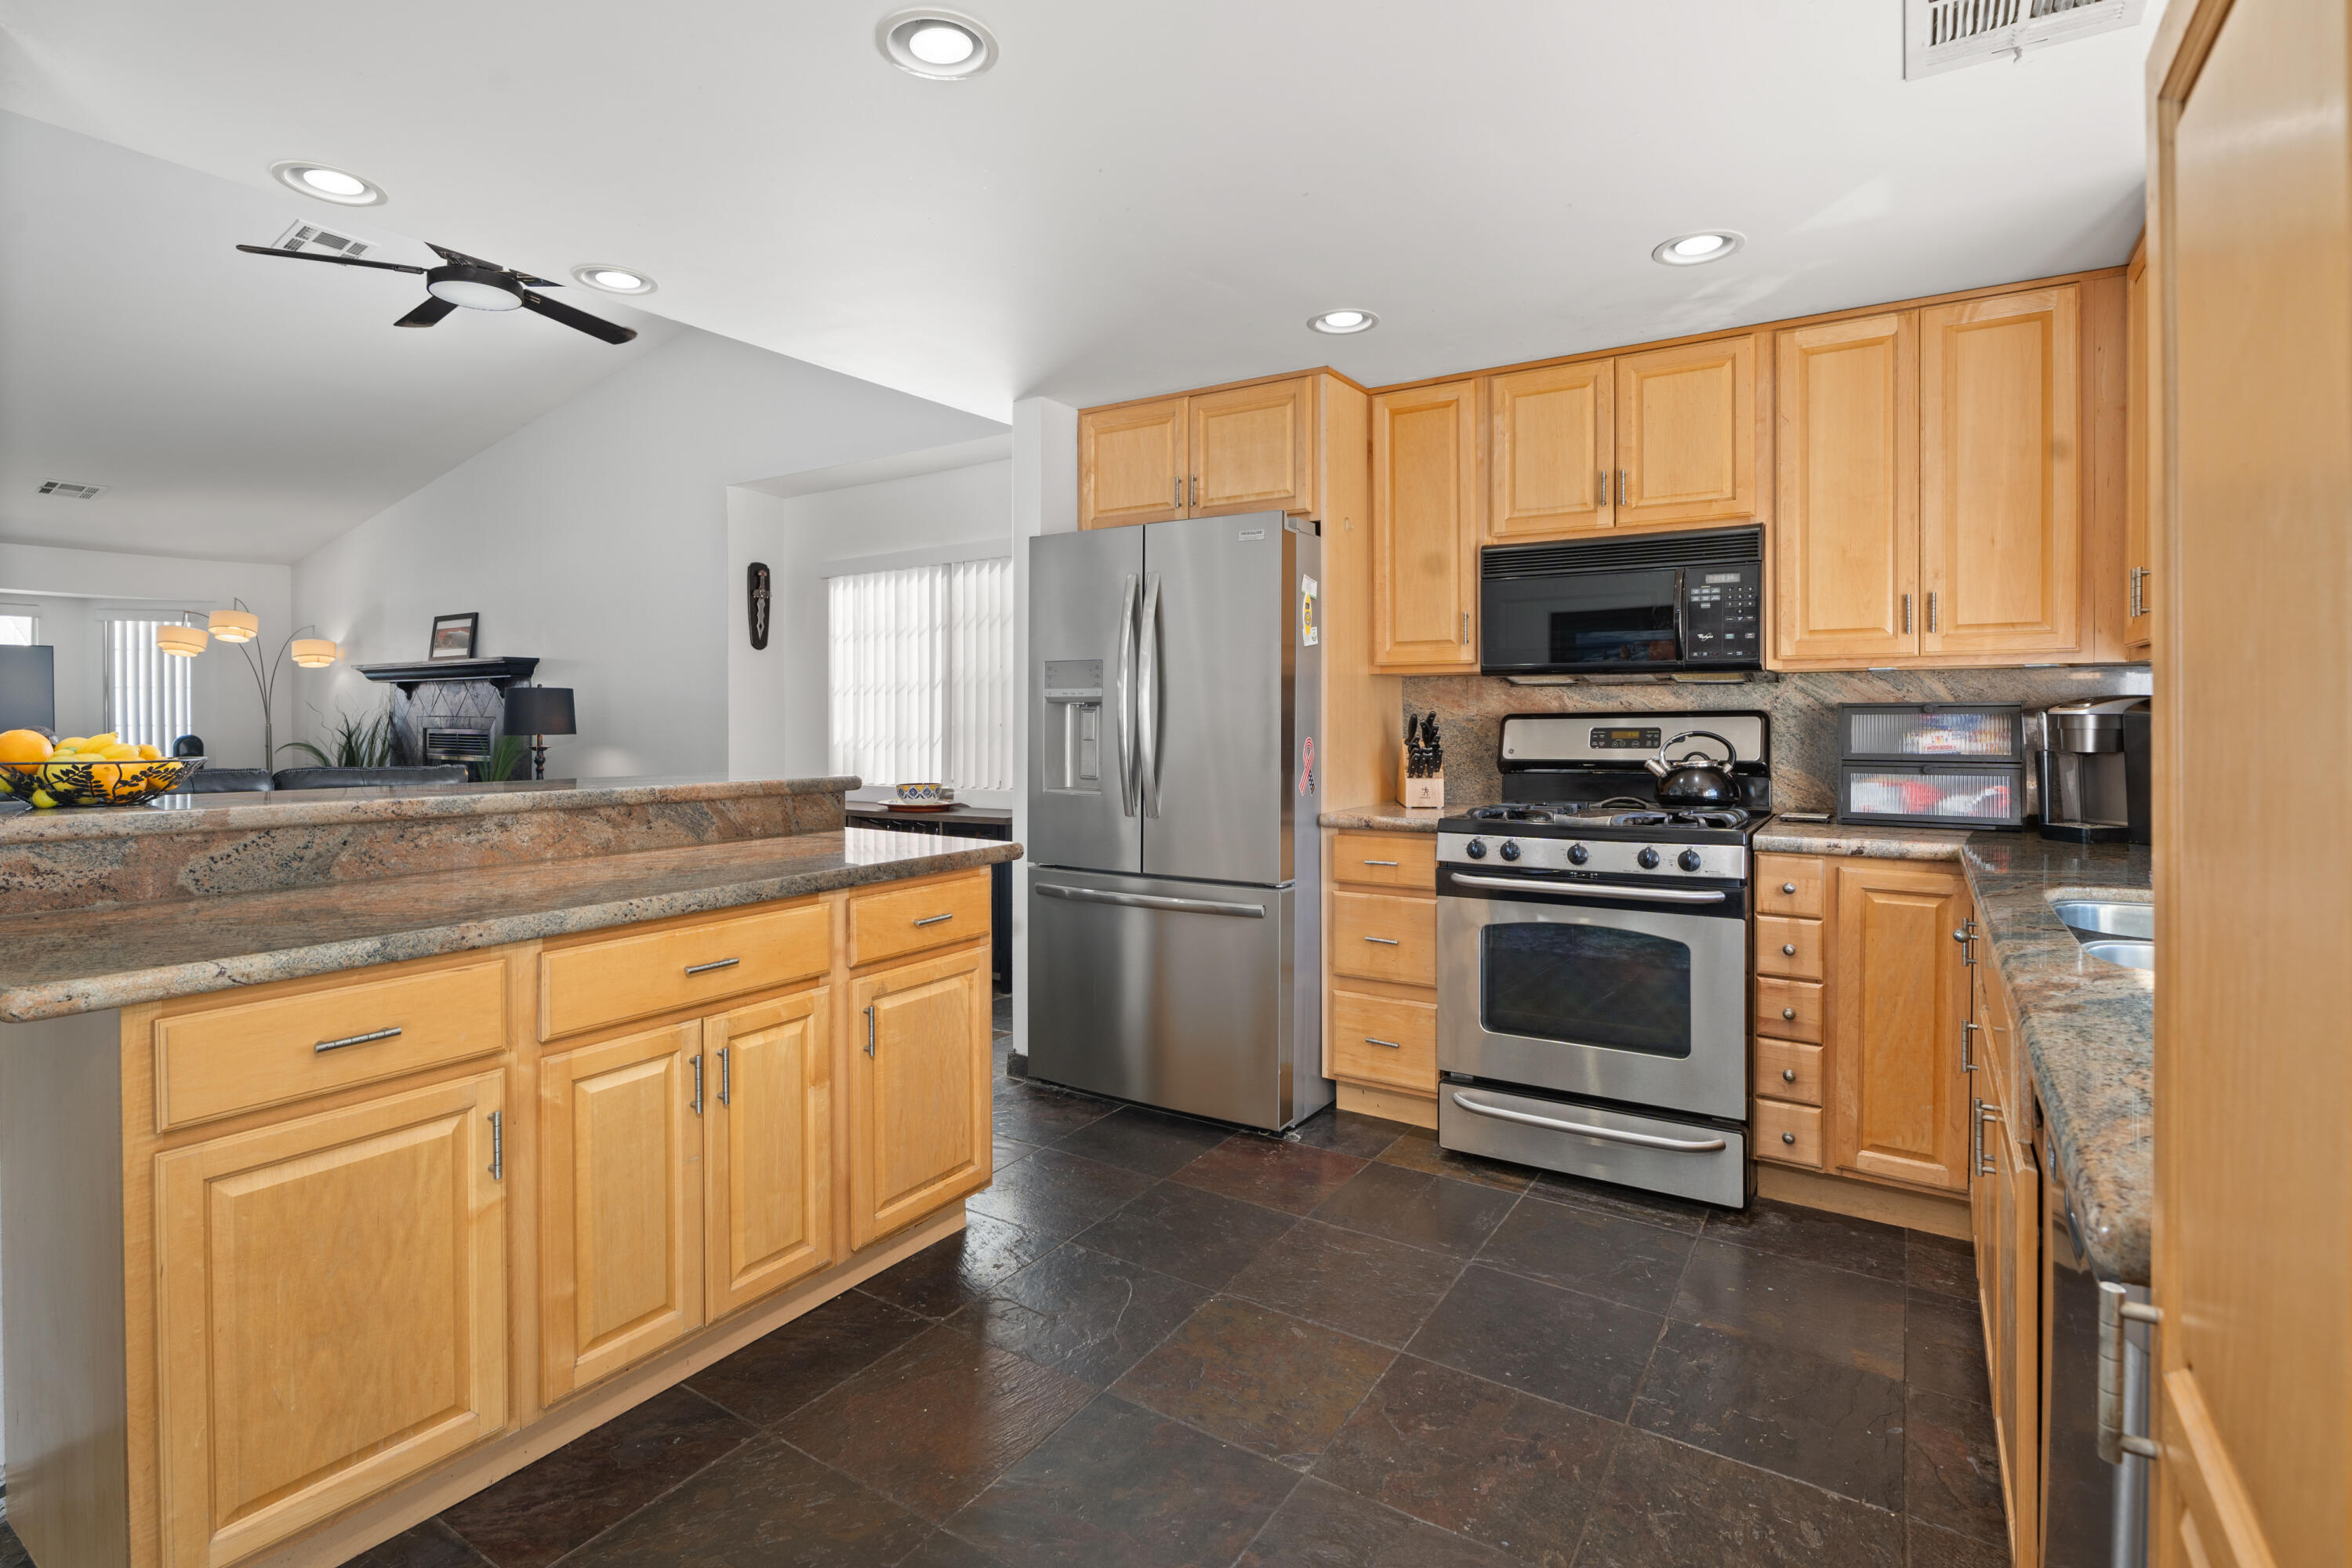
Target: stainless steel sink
[
  {"x": 2131, "y": 954},
  {"x": 2087, "y": 918}
]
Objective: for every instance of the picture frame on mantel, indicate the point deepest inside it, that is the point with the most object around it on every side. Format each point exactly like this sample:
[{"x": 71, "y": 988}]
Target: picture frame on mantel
[{"x": 453, "y": 635}]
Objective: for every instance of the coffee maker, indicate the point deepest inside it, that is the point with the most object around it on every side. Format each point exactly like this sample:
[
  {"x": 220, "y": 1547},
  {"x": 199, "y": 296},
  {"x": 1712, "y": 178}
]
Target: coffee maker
[{"x": 2090, "y": 762}]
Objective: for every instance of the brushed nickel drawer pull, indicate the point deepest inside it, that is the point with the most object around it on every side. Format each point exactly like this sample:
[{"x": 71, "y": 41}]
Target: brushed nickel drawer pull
[
  {"x": 1789, "y": 889},
  {"x": 934, "y": 920},
  {"x": 1787, "y": 1075},
  {"x": 1787, "y": 1137},
  {"x": 1789, "y": 950},
  {"x": 1788, "y": 1012},
  {"x": 1379, "y": 862},
  {"x": 1389, "y": 1043},
  {"x": 714, "y": 963},
  {"x": 325, "y": 1045},
  {"x": 1385, "y": 940}
]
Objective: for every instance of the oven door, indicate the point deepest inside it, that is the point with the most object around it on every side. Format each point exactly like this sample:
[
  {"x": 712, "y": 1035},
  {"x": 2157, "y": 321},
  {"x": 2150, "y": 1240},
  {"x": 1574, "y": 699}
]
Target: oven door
[
  {"x": 1582, "y": 621},
  {"x": 1637, "y": 994}
]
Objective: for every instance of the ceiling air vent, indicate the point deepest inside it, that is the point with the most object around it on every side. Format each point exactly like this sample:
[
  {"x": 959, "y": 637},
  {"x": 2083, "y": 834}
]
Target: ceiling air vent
[
  {"x": 310, "y": 236},
  {"x": 1944, "y": 34},
  {"x": 70, "y": 491}
]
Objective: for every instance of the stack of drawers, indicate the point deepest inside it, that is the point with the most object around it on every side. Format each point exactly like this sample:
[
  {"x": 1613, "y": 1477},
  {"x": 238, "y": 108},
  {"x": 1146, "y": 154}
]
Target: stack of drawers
[
  {"x": 1383, "y": 943},
  {"x": 1793, "y": 912}
]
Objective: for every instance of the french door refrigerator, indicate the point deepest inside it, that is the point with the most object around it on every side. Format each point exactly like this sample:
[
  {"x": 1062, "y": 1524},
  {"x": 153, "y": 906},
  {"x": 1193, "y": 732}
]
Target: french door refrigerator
[{"x": 1174, "y": 914}]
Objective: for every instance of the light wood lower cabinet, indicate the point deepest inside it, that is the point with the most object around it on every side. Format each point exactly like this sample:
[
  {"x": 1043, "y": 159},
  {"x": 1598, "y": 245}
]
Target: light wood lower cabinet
[
  {"x": 767, "y": 1148},
  {"x": 1901, "y": 1110},
  {"x": 918, "y": 1090},
  {"x": 2005, "y": 1215},
  {"x": 330, "y": 1313},
  {"x": 1380, "y": 1008}
]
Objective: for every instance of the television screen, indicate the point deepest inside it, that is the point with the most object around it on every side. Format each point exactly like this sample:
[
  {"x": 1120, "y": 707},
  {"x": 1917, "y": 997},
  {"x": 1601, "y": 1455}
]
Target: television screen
[{"x": 28, "y": 689}]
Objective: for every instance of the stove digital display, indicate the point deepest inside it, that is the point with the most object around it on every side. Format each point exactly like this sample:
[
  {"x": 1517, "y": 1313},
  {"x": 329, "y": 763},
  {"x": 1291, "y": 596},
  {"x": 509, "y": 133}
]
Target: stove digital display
[{"x": 1624, "y": 738}]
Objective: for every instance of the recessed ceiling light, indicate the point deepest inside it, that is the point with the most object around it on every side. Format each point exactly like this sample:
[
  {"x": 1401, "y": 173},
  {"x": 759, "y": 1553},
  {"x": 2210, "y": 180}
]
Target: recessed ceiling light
[
  {"x": 612, "y": 279},
  {"x": 946, "y": 45},
  {"x": 1341, "y": 322},
  {"x": 1690, "y": 249},
  {"x": 329, "y": 184}
]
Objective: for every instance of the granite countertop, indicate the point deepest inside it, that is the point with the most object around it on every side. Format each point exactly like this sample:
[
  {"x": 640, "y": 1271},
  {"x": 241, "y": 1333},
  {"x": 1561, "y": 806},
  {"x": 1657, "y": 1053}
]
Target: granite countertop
[
  {"x": 78, "y": 960},
  {"x": 1388, "y": 817},
  {"x": 2089, "y": 1029},
  {"x": 238, "y": 811},
  {"x": 1873, "y": 840}
]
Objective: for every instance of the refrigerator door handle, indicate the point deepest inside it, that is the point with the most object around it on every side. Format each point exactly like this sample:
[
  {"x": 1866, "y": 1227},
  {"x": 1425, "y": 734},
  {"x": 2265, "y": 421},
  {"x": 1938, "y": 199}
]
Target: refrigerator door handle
[
  {"x": 1147, "y": 703},
  {"x": 1127, "y": 778},
  {"x": 1149, "y": 902}
]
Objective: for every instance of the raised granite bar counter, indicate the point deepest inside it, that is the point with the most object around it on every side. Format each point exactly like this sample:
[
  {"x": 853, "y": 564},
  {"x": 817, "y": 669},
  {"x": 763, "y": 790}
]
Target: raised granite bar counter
[{"x": 60, "y": 962}]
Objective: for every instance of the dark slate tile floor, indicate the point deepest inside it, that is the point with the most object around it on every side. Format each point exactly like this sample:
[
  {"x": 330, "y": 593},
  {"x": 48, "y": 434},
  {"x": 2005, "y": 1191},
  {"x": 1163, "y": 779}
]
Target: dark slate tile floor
[{"x": 1159, "y": 1342}]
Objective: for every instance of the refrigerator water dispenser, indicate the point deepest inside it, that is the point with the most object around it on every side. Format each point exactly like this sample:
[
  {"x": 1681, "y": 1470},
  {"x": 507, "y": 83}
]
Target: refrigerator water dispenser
[{"x": 1074, "y": 700}]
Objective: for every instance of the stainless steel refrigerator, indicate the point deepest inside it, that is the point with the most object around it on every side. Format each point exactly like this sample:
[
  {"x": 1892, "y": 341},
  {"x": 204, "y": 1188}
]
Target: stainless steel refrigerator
[{"x": 1175, "y": 923}]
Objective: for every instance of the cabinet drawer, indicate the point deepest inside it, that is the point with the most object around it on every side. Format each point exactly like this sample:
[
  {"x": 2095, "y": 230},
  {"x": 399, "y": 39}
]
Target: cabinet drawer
[
  {"x": 1788, "y": 1134},
  {"x": 1788, "y": 1009},
  {"x": 1386, "y": 860},
  {"x": 1786, "y": 1071},
  {"x": 1792, "y": 884},
  {"x": 1385, "y": 1039},
  {"x": 896, "y": 921},
  {"x": 1790, "y": 949},
  {"x": 1381, "y": 936},
  {"x": 227, "y": 1060},
  {"x": 601, "y": 982}
]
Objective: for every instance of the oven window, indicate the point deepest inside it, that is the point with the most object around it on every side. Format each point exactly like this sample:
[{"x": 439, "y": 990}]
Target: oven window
[
  {"x": 1592, "y": 986},
  {"x": 1585, "y": 619}
]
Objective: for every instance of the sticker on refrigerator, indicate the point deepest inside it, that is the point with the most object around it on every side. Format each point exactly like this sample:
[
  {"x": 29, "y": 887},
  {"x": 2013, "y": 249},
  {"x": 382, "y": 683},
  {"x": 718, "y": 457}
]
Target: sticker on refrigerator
[
  {"x": 1247, "y": 534},
  {"x": 1307, "y": 766},
  {"x": 1310, "y": 631}
]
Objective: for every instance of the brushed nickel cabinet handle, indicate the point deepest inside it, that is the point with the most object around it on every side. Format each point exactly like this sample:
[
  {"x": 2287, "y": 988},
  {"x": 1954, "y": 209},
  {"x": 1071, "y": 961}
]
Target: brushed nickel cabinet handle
[
  {"x": 1620, "y": 486},
  {"x": 2115, "y": 1308},
  {"x": 1175, "y": 492},
  {"x": 1392, "y": 1045},
  {"x": 697, "y": 1083},
  {"x": 1789, "y": 889},
  {"x": 869, "y": 1031},
  {"x": 1906, "y": 611},
  {"x": 1380, "y": 863},
  {"x": 726, "y": 1076},
  {"x": 1465, "y": 628},
  {"x": 1931, "y": 610},
  {"x": 714, "y": 963},
  {"x": 1385, "y": 940},
  {"x": 934, "y": 920},
  {"x": 498, "y": 1147},
  {"x": 1788, "y": 1012},
  {"x": 1787, "y": 1137},
  {"x": 1968, "y": 1038},
  {"x": 1600, "y": 486},
  {"x": 1787, "y": 1075},
  {"x": 325, "y": 1045}
]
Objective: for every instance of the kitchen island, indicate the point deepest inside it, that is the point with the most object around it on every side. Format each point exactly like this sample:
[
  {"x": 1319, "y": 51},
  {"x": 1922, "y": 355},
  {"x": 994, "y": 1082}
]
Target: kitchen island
[{"x": 356, "y": 1150}]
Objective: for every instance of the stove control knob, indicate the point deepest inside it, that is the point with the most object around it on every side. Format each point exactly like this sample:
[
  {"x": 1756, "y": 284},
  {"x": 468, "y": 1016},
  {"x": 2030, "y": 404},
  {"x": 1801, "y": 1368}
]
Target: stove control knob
[
  {"x": 1511, "y": 849},
  {"x": 1649, "y": 859},
  {"x": 1475, "y": 849},
  {"x": 1687, "y": 859},
  {"x": 1578, "y": 853}
]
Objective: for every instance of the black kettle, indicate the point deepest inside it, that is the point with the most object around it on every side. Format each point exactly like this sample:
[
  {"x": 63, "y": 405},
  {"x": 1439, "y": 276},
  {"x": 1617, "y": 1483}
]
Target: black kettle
[{"x": 1695, "y": 779}]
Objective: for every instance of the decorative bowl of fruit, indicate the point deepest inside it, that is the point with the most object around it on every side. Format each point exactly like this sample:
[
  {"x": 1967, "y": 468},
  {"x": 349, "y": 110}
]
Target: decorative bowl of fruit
[{"x": 91, "y": 769}]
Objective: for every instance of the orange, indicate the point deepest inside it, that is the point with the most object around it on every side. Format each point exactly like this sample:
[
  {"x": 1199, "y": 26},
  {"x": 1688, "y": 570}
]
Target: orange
[{"x": 24, "y": 746}]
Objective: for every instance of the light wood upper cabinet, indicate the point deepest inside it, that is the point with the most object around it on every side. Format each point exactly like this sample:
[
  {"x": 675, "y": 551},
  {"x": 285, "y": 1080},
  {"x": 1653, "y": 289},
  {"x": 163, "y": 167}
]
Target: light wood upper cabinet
[
  {"x": 917, "y": 1065},
  {"x": 1551, "y": 451},
  {"x": 330, "y": 1313},
  {"x": 1131, "y": 463},
  {"x": 2000, "y": 532},
  {"x": 1686, "y": 422},
  {"x": 620, "y": 1204},
  {"x": 1845, "y": 550},
  {"x": 767, "y": 1159},
  {"x": 2139, "y": 550},
  {"x": 1901, "y": 996},
  {"x": 1425, "y": 494},
  {"x": 1252, "y": 449}
]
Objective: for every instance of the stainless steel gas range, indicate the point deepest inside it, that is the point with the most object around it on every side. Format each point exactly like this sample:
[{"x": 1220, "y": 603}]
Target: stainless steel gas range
[{"x": 1593, "y": 958}]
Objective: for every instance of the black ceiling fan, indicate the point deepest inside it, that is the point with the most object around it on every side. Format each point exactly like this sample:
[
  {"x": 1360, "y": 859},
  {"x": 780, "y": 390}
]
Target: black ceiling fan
[{"x": 476, "y": 284}]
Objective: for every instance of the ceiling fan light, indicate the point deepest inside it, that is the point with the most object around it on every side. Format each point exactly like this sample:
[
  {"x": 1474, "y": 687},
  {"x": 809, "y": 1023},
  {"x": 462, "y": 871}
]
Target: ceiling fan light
[
  {"x": 327, "y": 184},
  {"x": 473, "y": 289},
  {"x": 315, "y": 653},
  {"x": 179, "y": 641}
]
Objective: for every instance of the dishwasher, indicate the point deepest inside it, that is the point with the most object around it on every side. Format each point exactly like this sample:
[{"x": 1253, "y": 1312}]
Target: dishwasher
[{"x": 2094, "y": 1512}]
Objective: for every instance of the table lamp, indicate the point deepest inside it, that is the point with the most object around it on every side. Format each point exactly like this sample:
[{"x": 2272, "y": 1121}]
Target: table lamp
[{"x": 540, "y": 711}]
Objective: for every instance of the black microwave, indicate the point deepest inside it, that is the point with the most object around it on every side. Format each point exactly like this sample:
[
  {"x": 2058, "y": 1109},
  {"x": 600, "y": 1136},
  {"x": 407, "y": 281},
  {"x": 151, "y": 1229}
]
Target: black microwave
[{"x": 1654, "y": 602}]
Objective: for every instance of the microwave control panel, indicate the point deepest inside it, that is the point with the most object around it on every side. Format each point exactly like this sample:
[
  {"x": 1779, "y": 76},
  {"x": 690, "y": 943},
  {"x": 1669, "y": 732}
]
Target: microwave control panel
[{"x": 1723, "y": 614}]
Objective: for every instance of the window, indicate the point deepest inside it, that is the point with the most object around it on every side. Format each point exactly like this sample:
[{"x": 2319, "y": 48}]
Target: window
[
  {"x": 922, "y": 674},
  {"x": 18, "y": 629},
  {"x": 150, "y": 694}
]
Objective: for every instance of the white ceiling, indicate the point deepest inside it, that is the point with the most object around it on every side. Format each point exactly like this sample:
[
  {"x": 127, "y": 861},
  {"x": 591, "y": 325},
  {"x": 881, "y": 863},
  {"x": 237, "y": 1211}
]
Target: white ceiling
[
  {"x": 237, "y": 406},
  {"x": 1140, "y": 198}
]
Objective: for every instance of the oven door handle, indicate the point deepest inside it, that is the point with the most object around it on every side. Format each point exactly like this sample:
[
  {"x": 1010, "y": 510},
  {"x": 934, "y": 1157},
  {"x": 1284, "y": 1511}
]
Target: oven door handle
[
  {"x": 1608, "y": 1134},
  {"x": 1593, "y": 890}
]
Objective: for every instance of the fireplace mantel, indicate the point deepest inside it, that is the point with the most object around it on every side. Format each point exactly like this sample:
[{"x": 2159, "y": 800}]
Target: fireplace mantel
[{"x": 499, "y": 672}]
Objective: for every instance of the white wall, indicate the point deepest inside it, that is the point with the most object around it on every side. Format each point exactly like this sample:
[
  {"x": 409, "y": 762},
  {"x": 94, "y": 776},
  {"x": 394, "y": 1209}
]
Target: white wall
[
  {"x": 1045, "y": 501},
  {"x": 68, "y": 587},
  {"x": 777, "y": 719},
  {"x": 596, "y": 538}
]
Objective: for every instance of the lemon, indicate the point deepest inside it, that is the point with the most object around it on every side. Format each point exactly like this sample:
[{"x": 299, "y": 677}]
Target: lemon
[
  {"x": 41, "y": 799},
  {"x": 24, "y": 746},
  {"x": 120, "y": 753},
  {"x": 150, "y": 753},
  {"x": 100, "y": 742},
  {"x": 73, "y": 743}
]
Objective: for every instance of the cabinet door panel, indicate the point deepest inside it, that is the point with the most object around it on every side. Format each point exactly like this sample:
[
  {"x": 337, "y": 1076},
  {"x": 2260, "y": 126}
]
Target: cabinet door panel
[
  {"x": 1425, "y": 527},
  {"x": 1845, "y": 544},
  {"x": 2139, "y": 544},
  {"x": 1685, "y": 421},
  {"x": 331, "y": 1313},
  {"x": 620, "y": 1226},
  {"x": 1902, "y": 1110},
  {"x": 1551, "y": 451},
  {"x": 2000, "y": 536},
  {"x": 767, "y": 1148},
  {"x": 918, "y": 1092},
  {"x": 1253, "y": 449},
  {"x": 1131, "y": 463}
]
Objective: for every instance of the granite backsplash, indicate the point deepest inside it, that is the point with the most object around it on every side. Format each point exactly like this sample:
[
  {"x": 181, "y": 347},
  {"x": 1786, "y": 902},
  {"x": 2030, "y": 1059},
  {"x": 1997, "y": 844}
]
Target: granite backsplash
[{"x": 1804, "y": 708}]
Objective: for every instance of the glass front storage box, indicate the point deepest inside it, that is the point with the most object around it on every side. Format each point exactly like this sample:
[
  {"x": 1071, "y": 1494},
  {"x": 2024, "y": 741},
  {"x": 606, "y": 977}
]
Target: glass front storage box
[{"x": 1937, "y": 765}]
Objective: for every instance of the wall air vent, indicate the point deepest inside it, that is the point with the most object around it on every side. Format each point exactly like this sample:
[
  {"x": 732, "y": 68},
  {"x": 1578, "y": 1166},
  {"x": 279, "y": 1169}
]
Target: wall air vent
[
  {"x": 72, "y": 491},
  {"x": 1944, "y": 34},
  {"x": 310, "y": 236}
]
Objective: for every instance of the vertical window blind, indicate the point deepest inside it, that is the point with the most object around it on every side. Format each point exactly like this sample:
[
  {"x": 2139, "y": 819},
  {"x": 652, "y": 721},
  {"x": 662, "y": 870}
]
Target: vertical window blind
[
  {"x": 921, "y": 676},
  {"x": 149, "y": 695}
]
